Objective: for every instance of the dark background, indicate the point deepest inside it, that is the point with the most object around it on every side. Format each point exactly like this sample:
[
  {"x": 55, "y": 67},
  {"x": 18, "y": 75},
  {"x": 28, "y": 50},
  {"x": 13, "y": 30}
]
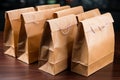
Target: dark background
[
  {"x": 111, "y": 6},
  {"x": 13, "y": 69}
]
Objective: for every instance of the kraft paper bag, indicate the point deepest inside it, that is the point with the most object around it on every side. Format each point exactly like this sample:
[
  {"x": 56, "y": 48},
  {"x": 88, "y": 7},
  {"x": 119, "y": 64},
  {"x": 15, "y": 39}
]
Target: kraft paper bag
[
  {"x": 74, "y": 10},
  {"x": 94, "y": 47},
  {"x": 41, "y": 7},
  {"x": 31, "y": 33},
  {"x": 12, "y": 29},
  {"x": 57, "y": 43}
]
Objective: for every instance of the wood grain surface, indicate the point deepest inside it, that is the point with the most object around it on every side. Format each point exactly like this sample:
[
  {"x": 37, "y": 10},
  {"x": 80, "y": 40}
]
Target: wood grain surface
[{"x": 13, "y": 69}]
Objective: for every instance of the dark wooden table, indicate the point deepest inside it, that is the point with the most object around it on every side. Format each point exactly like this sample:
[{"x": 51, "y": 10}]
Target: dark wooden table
[{"x": 13, "y": 69}]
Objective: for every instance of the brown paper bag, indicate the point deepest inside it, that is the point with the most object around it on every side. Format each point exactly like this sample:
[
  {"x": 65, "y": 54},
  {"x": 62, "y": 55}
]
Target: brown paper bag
[
  {"x": 57, "y": 42},
  {"x": 30, "y": 36},
  {"x": 74, "y": 10},
  {"x": 12, "y": 29},
  {"x": 94, "y": 47},
  {"x": 41, "y": 7},
  {"x": 34, "y": 23}
]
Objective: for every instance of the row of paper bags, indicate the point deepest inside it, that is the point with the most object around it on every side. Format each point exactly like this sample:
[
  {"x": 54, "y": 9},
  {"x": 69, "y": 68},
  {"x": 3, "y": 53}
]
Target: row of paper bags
[{"x": 60, "y": 37}]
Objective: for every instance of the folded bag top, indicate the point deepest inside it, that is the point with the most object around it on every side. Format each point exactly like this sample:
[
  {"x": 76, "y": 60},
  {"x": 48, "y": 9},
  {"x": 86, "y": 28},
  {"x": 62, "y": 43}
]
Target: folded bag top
[
  {"x": 38, "y": 15},
  {"x": 59, "y": 22},
  {"x": 49, "y": 13},
  {"x": 16, "y": 14},
  {"x": 73, "y": 10},
  {"x": 88, "y": 14},
  {"x": 32, "y": 17},
  {"x": 41, "y": 7},
  {"x": 97, "y": 22}
]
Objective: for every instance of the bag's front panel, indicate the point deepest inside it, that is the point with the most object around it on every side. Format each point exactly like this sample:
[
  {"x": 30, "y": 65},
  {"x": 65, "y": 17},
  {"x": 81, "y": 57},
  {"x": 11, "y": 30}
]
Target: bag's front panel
[
  {"x": 63, "y": 42},
  {"x": 99, "y": 40},
  {"x": 34, "y": 33}
]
